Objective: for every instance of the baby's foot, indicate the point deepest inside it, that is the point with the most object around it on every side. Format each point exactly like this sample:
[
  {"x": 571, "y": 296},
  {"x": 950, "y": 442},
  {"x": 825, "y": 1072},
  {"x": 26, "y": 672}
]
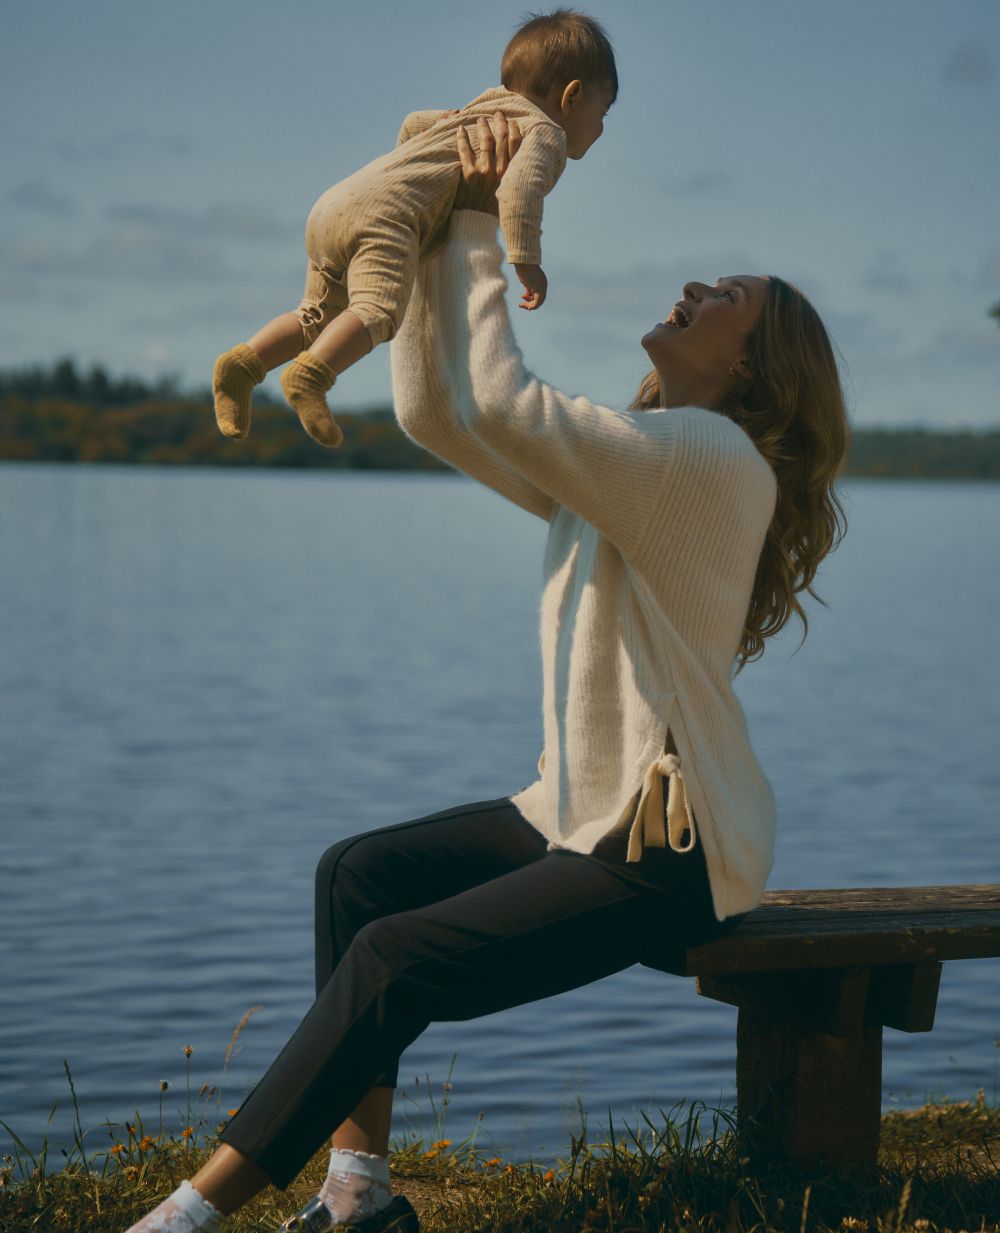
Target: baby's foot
[
  {"x": 235, "y": 374},
  {"x": 305, "y": 381},
  {"x": 185, "y": 1211}
]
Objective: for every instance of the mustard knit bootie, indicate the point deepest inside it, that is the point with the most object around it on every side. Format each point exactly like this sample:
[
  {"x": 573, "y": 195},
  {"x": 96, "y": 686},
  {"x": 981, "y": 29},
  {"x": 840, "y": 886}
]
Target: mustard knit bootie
[
  {"x": 235, "y": 374},
  {"x": 305, "y": 381}
]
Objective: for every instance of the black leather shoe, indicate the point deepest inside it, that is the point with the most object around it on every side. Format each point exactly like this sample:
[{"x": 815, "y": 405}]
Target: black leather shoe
[{"x": 397, "y": 1217}]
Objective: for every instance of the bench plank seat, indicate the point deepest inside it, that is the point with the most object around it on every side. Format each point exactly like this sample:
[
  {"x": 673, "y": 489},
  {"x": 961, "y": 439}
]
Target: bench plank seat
[{"x": 795, "y": 929}]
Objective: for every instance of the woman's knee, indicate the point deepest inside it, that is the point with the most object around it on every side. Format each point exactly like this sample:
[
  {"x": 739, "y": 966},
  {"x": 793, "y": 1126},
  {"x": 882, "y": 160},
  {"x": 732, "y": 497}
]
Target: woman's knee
[
  {"x": 350, "y": 874},
  {"x": 326, "y": 868}
]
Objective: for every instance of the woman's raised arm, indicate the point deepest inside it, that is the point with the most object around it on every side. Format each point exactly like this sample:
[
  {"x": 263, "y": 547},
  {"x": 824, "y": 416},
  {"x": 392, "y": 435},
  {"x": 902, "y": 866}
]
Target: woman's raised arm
[
  {"x": 425, "y": 403},
  {"x": 606, "y": 465},
  {"x": 424, "y": 397}
]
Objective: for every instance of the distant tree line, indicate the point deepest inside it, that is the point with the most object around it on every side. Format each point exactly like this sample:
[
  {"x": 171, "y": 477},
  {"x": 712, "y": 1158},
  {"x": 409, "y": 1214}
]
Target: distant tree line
[
  {"x": 96, "y": 388},
  {"x": 60, "y": 414},
  {"x": 63, "y": 415}
]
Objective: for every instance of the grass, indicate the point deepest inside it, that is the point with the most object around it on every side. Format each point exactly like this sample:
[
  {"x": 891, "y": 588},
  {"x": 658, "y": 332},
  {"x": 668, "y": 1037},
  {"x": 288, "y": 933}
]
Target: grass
[{"x": 938, "y": 1172}]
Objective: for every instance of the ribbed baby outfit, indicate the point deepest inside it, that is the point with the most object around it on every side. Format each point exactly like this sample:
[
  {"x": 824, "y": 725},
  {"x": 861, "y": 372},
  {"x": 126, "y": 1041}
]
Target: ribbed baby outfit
[
  {"x": 365, "y": 234},
  {"x": 656, "y": 523}
]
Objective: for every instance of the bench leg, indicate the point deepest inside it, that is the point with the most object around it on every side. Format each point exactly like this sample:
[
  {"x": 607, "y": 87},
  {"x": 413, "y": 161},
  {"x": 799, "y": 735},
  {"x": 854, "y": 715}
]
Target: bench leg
[{"x": 806, "y": 1096}]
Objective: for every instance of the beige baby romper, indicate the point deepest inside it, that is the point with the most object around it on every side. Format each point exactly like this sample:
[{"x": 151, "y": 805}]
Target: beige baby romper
[{"x": 366, "y": 233}]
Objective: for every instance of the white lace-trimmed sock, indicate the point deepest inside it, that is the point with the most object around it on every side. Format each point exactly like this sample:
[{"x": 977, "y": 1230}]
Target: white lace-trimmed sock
[
  {"x": 184, "y": 1211},
  {"x": 357, "y": 1184}
]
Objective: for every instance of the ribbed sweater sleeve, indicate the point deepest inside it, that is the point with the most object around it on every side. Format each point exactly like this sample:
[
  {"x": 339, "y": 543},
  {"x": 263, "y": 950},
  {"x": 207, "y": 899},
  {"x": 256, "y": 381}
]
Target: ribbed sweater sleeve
[
  {"x": 424, "y": 396},
  {"x": 534, "y": 170},
  {"x": 605, "y": 465}
]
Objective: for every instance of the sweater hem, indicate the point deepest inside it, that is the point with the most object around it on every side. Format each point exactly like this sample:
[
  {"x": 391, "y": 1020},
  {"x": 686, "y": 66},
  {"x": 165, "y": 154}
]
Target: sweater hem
[{"x": 726, "y": 902}]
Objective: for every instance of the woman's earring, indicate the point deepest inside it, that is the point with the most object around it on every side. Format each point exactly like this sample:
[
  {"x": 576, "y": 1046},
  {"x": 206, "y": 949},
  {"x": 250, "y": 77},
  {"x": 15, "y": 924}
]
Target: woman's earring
[{"x": 732, "y": 370}]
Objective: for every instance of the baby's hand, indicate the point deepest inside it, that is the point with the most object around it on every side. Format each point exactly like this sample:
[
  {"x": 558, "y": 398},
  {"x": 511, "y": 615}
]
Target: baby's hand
[{"x": 536, "y": 285}]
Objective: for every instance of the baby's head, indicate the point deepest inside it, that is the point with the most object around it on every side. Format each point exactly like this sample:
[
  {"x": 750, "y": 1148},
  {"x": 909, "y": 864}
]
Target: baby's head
[{"x": 563, "y": 62}]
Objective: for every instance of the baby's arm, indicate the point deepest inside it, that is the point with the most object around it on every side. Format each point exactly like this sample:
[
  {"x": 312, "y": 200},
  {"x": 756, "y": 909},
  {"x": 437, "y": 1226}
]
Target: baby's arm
[
  {"x": 418, "y": 122},
  {"x": 533, "y": 171}
]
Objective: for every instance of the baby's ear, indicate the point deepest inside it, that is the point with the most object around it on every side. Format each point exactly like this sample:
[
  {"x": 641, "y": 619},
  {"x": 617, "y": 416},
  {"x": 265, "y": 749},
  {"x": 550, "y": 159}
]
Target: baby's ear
[{"x": 571, "y": 95}]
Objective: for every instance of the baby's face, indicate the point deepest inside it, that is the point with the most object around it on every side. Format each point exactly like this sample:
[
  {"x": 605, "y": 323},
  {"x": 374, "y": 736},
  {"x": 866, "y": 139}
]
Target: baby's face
[{"x": 584, "y": 120}]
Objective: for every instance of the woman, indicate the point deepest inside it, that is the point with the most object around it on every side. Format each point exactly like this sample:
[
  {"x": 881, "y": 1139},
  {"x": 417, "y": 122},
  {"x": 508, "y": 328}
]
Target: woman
[{"x": 680, "y": 532}]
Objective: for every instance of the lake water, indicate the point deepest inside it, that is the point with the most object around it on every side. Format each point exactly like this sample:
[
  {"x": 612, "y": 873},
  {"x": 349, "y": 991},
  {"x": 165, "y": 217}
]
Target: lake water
[{"x": 208, "y": 677}]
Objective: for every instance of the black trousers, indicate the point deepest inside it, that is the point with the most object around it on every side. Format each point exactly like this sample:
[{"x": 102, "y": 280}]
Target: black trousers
[{"x": 448, "y": 917}]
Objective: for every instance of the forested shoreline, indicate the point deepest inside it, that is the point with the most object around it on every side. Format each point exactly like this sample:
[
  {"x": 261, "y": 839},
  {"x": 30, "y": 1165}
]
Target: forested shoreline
[{"x": 63, "y": 415}]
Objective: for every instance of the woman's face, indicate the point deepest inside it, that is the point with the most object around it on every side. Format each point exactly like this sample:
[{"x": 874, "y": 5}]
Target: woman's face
[{"x": 703, "y": 337}]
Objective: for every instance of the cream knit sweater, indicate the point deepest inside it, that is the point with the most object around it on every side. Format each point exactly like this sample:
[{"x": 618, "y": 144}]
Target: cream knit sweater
[{"x": 656, "y": 523}]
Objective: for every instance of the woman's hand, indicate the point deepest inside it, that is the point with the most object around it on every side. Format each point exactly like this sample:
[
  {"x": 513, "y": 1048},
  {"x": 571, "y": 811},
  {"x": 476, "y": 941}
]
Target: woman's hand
[{"x": 499, "y": 139}]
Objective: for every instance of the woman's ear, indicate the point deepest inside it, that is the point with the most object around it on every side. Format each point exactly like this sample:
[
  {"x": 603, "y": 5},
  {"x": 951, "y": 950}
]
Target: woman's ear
[{"x": 740, "y": 369}]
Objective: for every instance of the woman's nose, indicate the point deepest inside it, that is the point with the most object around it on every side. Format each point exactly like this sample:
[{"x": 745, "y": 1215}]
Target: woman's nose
[{"x": 694, "y": 291}]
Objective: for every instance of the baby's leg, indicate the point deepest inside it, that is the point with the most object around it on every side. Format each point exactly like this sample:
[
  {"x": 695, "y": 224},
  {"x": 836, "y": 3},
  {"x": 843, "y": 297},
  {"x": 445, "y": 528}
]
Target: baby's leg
[
  {"x": 341, "y": 343},
  {"x": 238, "y": 370},
  {"x": 279, "y": 341},
  {"x": 378, "y": 282}
]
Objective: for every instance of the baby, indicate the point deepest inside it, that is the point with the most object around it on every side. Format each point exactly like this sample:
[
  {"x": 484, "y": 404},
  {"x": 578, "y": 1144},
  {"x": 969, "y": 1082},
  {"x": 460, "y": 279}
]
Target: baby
[{"x": 365, "y": 235}]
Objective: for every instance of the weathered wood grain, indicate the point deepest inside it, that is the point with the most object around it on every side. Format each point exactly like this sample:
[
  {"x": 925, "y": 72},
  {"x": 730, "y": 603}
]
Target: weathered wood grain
[
  {"x": 847, "y": 927},
  {"x": 805, "y": 1096}
]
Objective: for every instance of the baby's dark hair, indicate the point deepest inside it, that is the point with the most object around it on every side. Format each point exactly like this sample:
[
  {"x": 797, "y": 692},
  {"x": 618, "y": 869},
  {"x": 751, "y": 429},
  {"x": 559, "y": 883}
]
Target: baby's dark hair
[{"x": 552, "y": 49}]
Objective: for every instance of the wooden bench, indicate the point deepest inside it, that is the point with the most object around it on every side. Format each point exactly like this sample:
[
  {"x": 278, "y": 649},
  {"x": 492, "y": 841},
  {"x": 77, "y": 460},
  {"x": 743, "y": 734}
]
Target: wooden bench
[{"x": 816, "y": 975}]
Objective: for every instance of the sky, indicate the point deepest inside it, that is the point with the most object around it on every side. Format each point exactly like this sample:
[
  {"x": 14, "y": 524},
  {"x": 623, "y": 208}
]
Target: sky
[{"x": 160, "y": 160}]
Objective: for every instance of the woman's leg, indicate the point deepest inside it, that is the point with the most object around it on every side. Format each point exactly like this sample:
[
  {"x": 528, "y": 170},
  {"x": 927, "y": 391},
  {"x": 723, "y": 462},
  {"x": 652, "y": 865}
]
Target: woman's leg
[
  {"x": 391, "y": 868},
  {"x": 413, "y": 862},
  {"x": 554, "y": 924},
  {"x": 394, "y": 868}
]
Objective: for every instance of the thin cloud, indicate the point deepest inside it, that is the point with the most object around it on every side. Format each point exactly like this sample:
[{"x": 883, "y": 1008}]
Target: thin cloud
[
  {"x": 988, "y": 274},
  {"x": 979, "y": 276},
  {"x": 710, "y": 180},
  {"x": 887, "y": 275},
  {"x": 130, "y": 143},
  {"x": 124, "y": 255},
  {"x": 970, "y": 64},
  {"x": 859, "y": 333},
  {"x": 217, "y": 222},
  {"x": 973, "y": 344},
  {"x": 37, "y": 195},
  {"x": 586, "y": 289}
]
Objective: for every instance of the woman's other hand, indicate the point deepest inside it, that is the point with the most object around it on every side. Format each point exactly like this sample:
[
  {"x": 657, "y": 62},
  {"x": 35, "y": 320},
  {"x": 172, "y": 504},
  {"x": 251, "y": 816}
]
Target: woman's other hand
[{"x": 499, "y": 139}]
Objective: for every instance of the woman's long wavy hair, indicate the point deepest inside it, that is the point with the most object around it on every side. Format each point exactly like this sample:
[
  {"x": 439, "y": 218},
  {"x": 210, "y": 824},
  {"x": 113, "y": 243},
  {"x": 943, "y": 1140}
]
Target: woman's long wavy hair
[{"x": 793, "y": 409}]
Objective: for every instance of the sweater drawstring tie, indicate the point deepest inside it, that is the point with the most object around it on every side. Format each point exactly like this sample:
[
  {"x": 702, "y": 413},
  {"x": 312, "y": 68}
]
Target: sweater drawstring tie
[{"x": 647, "y": 828}]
